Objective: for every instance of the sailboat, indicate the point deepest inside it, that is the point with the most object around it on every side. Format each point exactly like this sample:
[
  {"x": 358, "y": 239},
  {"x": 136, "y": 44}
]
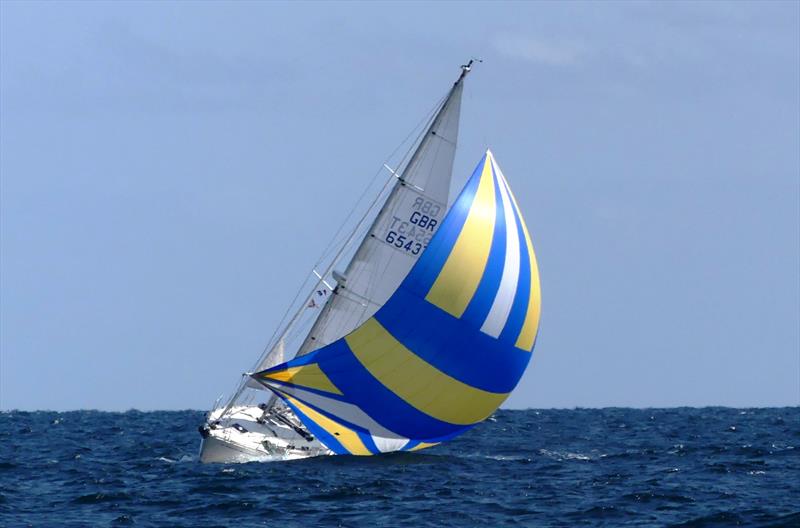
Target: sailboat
[{"x": 423, "y": 334}]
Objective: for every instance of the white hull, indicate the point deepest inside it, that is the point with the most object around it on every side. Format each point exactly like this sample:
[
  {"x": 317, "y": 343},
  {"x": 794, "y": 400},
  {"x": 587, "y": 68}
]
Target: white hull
[
  {"x": 248, "y": 434},
  {"x": 218, "y": 450}
]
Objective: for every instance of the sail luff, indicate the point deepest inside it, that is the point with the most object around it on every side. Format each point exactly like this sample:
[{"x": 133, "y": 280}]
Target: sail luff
[{"x": 452, "y": 98}]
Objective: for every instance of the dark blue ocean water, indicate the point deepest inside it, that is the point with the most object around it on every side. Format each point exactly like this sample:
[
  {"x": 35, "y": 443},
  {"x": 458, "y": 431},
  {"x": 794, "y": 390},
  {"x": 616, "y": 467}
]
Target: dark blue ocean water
[{"x": 609, "y": 467}]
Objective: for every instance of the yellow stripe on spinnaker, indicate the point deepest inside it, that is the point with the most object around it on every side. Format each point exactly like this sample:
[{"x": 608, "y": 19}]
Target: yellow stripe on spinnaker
[
  {"x": 527, "y": 335},
  {"x": 346, "y": 436},
  {"x": 306, "y": 376},
  {"x": 459, "y": 278},
  {"x": 423, "y": 445},
  {"x": 417, "y": 382}
]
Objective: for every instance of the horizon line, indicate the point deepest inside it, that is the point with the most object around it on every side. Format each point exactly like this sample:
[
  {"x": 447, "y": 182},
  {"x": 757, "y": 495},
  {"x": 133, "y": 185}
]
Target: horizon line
[{"x": 574, "y": 408}]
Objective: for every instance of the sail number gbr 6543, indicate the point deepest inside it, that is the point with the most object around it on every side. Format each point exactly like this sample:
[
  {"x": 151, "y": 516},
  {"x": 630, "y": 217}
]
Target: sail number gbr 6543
[{"x": 412, "y": 224}]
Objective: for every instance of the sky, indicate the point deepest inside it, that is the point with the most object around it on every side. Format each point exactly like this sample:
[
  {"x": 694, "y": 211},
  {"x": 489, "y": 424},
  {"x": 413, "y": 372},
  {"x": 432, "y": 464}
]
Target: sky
[{"x": 170, "y": 171}]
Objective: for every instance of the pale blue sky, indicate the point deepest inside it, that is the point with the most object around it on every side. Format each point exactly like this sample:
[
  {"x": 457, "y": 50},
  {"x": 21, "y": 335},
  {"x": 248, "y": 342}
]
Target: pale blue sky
[{"x": 171, "y": 171}]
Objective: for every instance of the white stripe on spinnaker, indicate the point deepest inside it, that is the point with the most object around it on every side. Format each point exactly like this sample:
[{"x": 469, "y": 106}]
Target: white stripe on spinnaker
[
  {"x": 384, "y": 439},
  {"x": 501, "y": 307}
]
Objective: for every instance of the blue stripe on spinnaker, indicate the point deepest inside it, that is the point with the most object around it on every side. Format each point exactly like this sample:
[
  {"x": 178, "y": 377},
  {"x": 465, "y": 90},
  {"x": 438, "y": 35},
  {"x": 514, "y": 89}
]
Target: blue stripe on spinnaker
[
  {"x": 433, "y": 258},
  {"x": 363, "y": 434},
  {"x": 322, "y": 435},
  {"x": 451, "y": 345},
  {"x": 369, "y": 443},
  {"x": 306, "y": 388},
  {"x": 519, "y": 308},
  {"x": 411, "y": 444},
  {"x": 478, "y": 308},
  {"x": 375, "y": 399}
]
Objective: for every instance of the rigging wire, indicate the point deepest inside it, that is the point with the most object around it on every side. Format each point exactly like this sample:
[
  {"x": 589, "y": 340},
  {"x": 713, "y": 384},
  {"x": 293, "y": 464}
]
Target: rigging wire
[
  {"x": 322, "y": 322},
  {"x": 282, "y": 327},
  {"x": 419, "y": 126}
]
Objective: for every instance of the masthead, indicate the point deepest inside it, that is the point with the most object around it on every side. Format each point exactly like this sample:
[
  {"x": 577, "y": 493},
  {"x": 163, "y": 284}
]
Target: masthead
[{"x": 466, "y": 68}]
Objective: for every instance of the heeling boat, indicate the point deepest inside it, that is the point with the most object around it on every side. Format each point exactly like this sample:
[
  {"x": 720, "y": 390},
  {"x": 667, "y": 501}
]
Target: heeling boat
[{"x": 425, "y": 334}]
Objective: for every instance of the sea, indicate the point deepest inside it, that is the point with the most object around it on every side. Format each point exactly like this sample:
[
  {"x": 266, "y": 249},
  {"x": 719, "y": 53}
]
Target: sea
[{"x": 698, "y": 467}]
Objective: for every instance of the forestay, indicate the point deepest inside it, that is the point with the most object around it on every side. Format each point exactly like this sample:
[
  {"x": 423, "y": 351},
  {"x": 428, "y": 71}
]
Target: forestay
[{"x": 447, "y": 347}]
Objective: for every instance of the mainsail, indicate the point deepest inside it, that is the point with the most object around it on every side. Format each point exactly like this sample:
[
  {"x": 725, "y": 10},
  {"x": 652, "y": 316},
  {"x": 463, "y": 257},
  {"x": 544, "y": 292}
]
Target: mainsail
[
  {"x": 410, "y": 215},
  {"x": 446, "y": 348},
  {"x": 400, "y": 232}
]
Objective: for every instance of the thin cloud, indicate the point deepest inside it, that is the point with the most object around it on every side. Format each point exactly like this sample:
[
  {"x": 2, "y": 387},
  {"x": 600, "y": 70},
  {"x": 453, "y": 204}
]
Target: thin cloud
[{"x": 539, "y": 51}]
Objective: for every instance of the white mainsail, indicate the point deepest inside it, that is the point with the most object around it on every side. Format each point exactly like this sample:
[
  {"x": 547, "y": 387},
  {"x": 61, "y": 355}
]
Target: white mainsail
[
  {"x": 277, "y": 357},
  {"x": 399, "y": 233},
  {"x": 397, "y": 236}
]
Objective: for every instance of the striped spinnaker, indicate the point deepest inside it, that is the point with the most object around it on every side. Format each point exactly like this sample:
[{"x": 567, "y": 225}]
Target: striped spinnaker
[{"x": 445, "y": 350}]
